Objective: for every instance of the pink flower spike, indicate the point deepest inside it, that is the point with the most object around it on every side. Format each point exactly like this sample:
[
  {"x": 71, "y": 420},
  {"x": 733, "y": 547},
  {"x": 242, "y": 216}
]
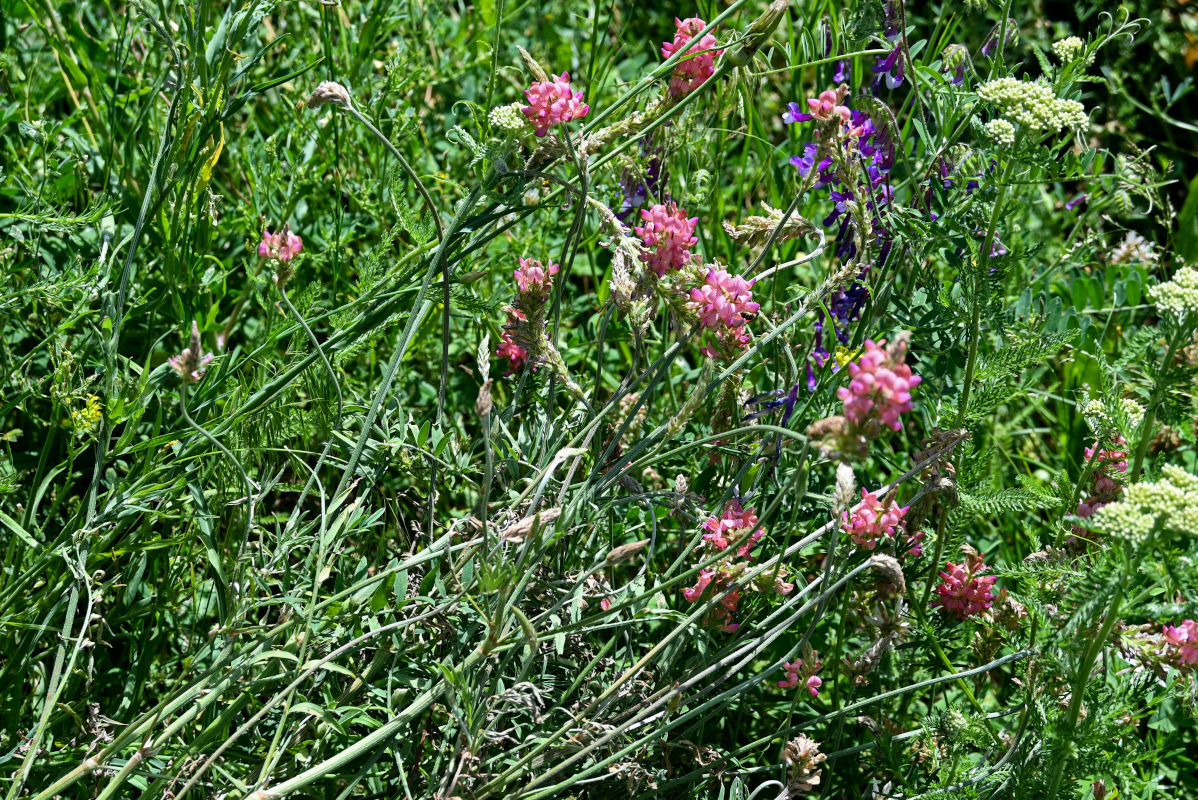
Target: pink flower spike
[
  {"x": 552, "y": 103},
  {"x": 879, "y": 390},
  {"x": 282, "y": 246},
  {"x": 871, "y": 520},
  {"x": 1183, "y": 641},
  {"x": 965, "y": 591},
  {"x": 723, "y": 300},
  {"x": 534, "y": 278},
  {"x": 668, "y": 236},
  {"x": 693, "y": 71}
]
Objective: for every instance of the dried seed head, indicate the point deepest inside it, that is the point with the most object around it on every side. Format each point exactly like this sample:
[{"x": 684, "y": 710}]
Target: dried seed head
[
  {"x": 802, "y": 759},
  {"x": 888, "y": 567},
  {"x": 329, "y": 92},
  {"x": 540, "y": 521},
  {"x": 626, "y": 551},
  {"x": 482, "y": 406}
]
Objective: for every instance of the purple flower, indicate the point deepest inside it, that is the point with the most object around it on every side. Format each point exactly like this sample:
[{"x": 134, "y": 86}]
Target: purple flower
[
  {"x": 890, "y": 70},
  {"x": 795, "y": 113},
  {"x": 1077, "y": 201},
  {"x": 842, "y": 71}
]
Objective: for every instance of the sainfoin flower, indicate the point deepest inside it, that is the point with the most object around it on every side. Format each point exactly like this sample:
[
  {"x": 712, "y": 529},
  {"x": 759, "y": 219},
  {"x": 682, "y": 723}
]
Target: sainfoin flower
[
  {"x": 191, "y": 363},
  {"x": 1181, "y": 643},
  {"x": 723, "y": 300},
  {"x": 718, "y": 582},
  {"x": 668, "y": 235},
  {"x": 795, "y": 674},
  {"x": 735, "y": 523},
  {"x": 692, "y": 71},
  {"x": 534, "y": 278},
  {"x": 282, "y": 246},
  {"x": 552, "y": 103},
  {"x": 964, "y": 590},
  {"x": 880, "y": 386},
  {"x": 872, "y": 520}
]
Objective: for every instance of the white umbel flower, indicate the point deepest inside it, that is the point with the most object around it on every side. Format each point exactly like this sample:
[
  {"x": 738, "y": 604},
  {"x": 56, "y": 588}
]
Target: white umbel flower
[
  {"x": 1033, "y": 105},
  {"x": 1178, "y": 297}
]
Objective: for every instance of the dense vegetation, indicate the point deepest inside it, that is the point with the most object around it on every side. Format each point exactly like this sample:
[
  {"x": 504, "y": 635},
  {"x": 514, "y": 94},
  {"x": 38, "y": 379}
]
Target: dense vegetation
[{"x": 567, "y": 399}]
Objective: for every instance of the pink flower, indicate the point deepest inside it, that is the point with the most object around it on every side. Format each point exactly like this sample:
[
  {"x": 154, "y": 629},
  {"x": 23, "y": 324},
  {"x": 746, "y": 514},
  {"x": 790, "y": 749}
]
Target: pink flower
[
  {"x": 552, "y": 103},
  {"x": 283, "y": 245},
  {"x": 1184, "y": 641},
  {"x": 795, "y": 672},
  {"x": 723, "y": 300},
  {"x": 693, "y": 593},
  {"x": 880, "y": 386},
  {"x": 692, "y": 72},
  {"x": 914, "y": 542},
  {"x": 1107, "y": 465},
  {"x": 828, "y": 106},
  {"x": 534, "y": 278},
  {"x": 668, "y": 236},
  {"x": 964, "y": 591},
  {"x": 516, "y": 355},
  {"x": 732, "y": 526},
  {"x": 872, "y": 520}
]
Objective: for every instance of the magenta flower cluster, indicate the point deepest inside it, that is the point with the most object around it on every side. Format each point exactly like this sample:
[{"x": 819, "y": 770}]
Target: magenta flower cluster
[
  {"x": 1181, "y": 643},
  {"x": 668, "y": 235},
  {"x": 552, "y": 103},
  {"x": 534, "y": 283},
  {"x": 964, "y": 591},
  {"x": 721, "y": 577},
  {"x": 734, "y": 524},
  {"x": 534, "y": 279},
  {"x": 880, "y": 386},
  {"x": 723, "y": 303},
  {"x": 282, "y": 246},
  {"x": 873, "y": 520},
  {"x": 1108, "y": 466},
  {"x": 693, "y": 71},
  {"x": 796, "y": 674}
]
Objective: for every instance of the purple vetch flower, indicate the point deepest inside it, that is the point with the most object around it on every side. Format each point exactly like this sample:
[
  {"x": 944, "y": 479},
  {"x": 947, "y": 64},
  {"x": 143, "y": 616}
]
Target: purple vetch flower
[
  {"x": 890, "y": 69},
  {"x": 638, "y": 187},
  {"x": 795, "y": 113},
  {"x": 842, "y": 71},
  {"x": 1077, "y": 201}
]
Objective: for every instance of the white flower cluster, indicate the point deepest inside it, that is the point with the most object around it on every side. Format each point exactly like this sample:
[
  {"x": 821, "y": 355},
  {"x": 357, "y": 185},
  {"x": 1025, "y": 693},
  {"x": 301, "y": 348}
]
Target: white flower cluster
[
  {"x": 508, "y": 119},
  {"x": 1171, "y": 503},
  {"x": 1001, "y": 132},
  {"x": 1179, "y": 296},
  {"x": 1134, "y": 248},
  {"x": 1070, "y": 49},
  {"x": 1101, "y": 423},
  {"x": 1033, "y": 105}
]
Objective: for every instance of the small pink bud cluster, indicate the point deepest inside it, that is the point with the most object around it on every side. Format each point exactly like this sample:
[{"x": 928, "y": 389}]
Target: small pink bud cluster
[
  {"x": 552, "y": 103},
  {"x": 534, "y": 279},
  {"x": 191, "y": 364},
  {"x": 668, "y": 236},
  {"x": 1181, "y": 643},
  {"x": 734, "y": 524},
  {"x": 796, "y": 674},
  {"x": 1108, "y": 465},
  {"x": 828, "y": 106},
  {"x": 880, "y": 385},
  {"x": 914, "y": 542},
  {"x": 965, "y": 591},
  {"x": 872, "y": 520},
  {"x": 723, "y": 302},
  {"x": 282, "y": 246},
  {"x": 692, "y": 72}
]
